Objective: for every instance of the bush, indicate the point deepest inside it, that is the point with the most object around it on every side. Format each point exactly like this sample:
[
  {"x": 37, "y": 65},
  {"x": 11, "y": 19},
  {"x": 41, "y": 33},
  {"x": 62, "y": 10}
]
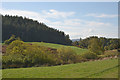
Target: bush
[
  {"x": 12, "y": 61},
  {"x": 89, "y": 55},
  {"x": 16, "y": 47},
  {"x": 67, "y": 55},
  {"x": 38, "y": 56},
  {"x": 95, "y": 46},
  {"x": 12, "y": 38},
  {"x": 101, "y": 56},
  {"x": 20, "y": 54},
  {"x": 111, "y": 53}
]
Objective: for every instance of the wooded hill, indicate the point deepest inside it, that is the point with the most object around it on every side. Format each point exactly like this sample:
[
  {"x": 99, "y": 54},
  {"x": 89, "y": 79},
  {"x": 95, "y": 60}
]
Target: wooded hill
[
  {"x": 105, "y": 43},
  {"x": 31, "y": 31}
]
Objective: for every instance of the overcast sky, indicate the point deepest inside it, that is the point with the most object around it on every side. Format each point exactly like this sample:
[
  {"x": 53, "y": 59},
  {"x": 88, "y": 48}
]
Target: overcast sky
[{"x": 78, "y": 19}]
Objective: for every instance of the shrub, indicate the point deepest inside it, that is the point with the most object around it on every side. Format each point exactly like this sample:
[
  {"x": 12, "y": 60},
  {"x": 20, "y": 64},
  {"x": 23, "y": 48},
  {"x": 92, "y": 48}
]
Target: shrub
[
  {"x": 111, "y": 53},
  {"x": 20, "y": 54},
  {"x": 101, "y": 56},
  {"x": 67, "y": 55},
  {"x": 95, "y": 46},
  {"x": 16, "y": 47},
  {"x": 12, "y": 61},
  {"x": 11, "y": 39},
  {"x": 37, "y": 56},
  {"x": 89, "y": 55}
]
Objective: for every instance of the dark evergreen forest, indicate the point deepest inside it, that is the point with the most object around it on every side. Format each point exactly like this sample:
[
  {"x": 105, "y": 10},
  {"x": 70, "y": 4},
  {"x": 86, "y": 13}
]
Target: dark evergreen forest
[{"x": 31, "y": 31}]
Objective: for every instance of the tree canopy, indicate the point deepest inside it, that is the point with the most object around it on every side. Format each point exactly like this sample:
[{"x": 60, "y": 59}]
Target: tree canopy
[
  {"x": 102, "y": 42},
  {"x": 31, "y": 31}
]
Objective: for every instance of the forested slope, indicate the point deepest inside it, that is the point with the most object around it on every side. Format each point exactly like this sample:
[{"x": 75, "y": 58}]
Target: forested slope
[{"x": 31, "y": 31}]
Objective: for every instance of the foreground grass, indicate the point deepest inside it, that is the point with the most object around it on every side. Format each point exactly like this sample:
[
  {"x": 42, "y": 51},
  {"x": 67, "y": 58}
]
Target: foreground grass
[
  {"x": 91, "y": 69},
  {"x": 56, "y": 46}
]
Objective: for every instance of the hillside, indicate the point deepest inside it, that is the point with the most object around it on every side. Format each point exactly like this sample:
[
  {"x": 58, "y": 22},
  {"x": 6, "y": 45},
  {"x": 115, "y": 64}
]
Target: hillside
[
  {"x": 56, "y": 46},
  {"x": 92, "y": 69},
  {"x": 32, "y": 31}
]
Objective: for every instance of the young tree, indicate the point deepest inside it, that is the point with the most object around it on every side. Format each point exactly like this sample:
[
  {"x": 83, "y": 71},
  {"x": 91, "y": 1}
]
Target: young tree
[{"x": 95, "y": 46}]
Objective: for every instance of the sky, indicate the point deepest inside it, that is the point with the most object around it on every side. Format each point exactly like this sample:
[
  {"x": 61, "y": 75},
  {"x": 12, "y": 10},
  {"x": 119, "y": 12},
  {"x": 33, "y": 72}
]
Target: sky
[{"x": 78, "y": 19}]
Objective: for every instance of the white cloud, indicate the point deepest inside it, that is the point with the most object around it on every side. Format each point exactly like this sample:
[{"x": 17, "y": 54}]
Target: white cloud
[
  {"x": 97, "y": 24},
  {"x": 57, "y": 14},
  {"x": 76, "y": 28},
  {"x": 41, "y": 17},
  {"x": 102, "y": 15},
  {"x": 28, "y": 14}
]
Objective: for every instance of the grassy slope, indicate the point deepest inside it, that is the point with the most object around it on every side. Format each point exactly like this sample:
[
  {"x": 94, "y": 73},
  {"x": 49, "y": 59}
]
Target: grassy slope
[
  {"x": 78, "y": 50},
  {"x": 93, "y": 69}
]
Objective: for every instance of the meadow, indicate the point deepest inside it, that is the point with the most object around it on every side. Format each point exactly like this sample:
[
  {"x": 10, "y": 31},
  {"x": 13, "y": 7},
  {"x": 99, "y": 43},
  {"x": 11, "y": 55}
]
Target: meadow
[
  {"x": 56, "y": 46},
  {"x": 91, "y": 69}
]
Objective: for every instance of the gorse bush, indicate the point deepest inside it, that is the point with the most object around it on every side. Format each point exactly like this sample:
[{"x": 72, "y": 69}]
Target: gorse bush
[
  {"x": 16, "y": 47},
  {"x": 20, "y": 54},
  {"x": 12, "y": 38},
  {"x": 89, "y": 55},
  {"x": 39, "y": 56},
  {"x": 67, "y": 55},
  {"x": 12, "y": 61},
  {"x": 111, "y": 53}
]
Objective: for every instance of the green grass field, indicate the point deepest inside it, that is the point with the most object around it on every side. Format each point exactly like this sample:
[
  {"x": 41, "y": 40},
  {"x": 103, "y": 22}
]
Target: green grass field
[
  {"x": 92, "y": 69},
  {"x": 56, "y": 46}
]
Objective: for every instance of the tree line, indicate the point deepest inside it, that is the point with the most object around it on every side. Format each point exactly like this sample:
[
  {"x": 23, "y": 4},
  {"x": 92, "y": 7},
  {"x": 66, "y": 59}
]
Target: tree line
[
  {"x": 105, "y": 43},
  {"x": 31, "y": 31}
]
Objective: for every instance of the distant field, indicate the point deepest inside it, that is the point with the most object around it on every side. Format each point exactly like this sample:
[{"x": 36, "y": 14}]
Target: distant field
[
  {"x": 77, "y": 50},
  {"x": 92, "y": 69}
]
